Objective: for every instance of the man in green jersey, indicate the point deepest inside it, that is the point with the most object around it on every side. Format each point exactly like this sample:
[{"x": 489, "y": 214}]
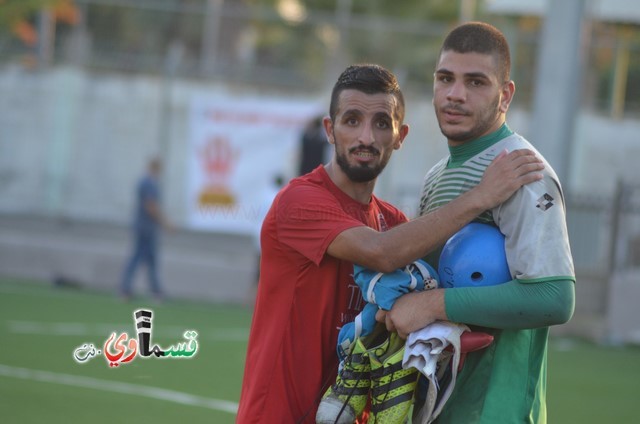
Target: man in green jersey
[{"x": 505, "y": 383}]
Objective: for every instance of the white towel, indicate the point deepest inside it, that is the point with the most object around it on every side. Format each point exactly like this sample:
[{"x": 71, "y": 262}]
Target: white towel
[{"x": 425, "y": 351}]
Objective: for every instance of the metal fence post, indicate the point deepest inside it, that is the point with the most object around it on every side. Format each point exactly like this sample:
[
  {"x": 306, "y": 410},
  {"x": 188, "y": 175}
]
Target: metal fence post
[{"x": 616, "y": 216}]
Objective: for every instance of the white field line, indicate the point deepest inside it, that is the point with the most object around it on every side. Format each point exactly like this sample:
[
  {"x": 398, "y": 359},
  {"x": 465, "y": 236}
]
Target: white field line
[
  {"x": 118, "y": 387},
  {"x": 33, "y": 291},
  {"x": 83, "y": 329}
]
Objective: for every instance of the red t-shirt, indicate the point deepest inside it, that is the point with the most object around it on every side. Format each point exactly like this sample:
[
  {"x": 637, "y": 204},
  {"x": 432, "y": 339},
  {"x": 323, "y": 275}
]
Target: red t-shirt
[{"x": 304, "y": 297}]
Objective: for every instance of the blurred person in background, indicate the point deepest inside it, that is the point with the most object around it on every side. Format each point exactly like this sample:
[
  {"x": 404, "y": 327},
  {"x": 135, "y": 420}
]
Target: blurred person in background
[
  {"x": 313, "y": 146},
  {"x": 322, "y": 223},
  {"x": 506, "y": 382},
  {"x": 147, "y": 223}
]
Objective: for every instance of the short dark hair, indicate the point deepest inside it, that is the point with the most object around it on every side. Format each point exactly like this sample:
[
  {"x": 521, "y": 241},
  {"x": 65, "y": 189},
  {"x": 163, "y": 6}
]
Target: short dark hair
[
  {"x": 370, "y": 79},
  {"x": 481, "y": 37}
]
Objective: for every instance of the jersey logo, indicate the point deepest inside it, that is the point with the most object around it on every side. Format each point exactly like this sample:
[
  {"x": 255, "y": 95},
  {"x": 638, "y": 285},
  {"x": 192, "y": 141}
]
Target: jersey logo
[
  {"x": 383, "y": 222},
  {"x": 545, "y": 202}
]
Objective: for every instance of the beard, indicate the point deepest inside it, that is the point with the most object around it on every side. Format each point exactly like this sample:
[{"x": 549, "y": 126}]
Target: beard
[
  {"x": 361, "y": 173},
  {"x": 485, "y": 121}
]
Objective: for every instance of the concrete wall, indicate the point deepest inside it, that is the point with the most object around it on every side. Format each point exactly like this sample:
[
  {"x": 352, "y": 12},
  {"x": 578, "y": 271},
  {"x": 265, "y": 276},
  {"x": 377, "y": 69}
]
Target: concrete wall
[
  {"x": 89, "y": 255},
  {"x": 73, "y": 143}
]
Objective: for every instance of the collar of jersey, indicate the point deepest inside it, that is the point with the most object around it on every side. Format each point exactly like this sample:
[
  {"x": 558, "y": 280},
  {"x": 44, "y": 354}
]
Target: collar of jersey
[{"x": 462, "y": 153}]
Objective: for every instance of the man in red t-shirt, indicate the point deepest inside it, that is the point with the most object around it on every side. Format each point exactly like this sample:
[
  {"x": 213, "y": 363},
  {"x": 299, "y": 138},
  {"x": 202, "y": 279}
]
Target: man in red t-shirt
[{"x": 322, "y": 223}]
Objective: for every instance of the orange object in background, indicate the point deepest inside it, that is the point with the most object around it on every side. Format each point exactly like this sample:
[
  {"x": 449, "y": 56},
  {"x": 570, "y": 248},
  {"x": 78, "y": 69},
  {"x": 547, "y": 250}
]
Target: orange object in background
[
  {"x": 25, "y": 32},
  {"x": 64, "y": 11}
]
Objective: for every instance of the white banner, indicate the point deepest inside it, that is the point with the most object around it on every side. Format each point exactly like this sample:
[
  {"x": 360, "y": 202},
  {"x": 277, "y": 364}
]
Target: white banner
[{"x": 237, "y": 149}]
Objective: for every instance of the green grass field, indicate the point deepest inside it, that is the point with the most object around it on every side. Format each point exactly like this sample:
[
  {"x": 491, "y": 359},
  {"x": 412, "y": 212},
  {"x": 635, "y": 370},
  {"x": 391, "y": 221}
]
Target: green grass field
[{"x": 41, "y": 382}]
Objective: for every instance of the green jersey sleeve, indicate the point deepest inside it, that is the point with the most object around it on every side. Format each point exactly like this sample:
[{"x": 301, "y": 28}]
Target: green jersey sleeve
[{"x": 512, "y": 305}]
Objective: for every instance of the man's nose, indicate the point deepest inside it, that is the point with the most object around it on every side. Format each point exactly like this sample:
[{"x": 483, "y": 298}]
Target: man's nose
[
  {"x": 457, "y": 92},
  {"x": 366, "y": 136}
]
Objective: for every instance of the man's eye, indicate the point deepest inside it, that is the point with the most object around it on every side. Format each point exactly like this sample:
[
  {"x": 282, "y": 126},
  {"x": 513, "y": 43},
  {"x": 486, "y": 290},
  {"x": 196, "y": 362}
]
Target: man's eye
[
  {"x": 352, "y": 121},
  {"x": 444, "y": 78},
  {"x": 383, "y": 125},
  {"x": 476, "y": 83}
]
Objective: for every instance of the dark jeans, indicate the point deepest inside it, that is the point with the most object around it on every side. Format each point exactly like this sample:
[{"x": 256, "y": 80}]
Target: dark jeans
[{"x": 144, "y": 252}]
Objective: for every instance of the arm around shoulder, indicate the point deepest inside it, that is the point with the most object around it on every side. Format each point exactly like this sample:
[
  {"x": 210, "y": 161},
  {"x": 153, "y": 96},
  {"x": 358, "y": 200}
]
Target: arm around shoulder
[{"x": 389, "y": 250}]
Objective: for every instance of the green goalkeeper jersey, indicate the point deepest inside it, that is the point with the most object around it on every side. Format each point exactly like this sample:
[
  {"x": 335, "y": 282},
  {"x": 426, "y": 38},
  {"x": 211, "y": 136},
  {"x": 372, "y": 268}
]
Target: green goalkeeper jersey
[{"x": 506, "y": 382}]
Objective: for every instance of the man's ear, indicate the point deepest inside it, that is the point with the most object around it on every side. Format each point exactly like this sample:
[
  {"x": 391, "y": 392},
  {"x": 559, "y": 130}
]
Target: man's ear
[
  {"x": 402, "y": 133},
  {"x": 327, "y": 123},
  {"x": 508, "y": 90}
]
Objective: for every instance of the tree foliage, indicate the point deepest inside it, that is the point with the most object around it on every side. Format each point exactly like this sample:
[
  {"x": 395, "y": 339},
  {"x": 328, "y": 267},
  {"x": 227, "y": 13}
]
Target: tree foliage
[{"x": 18, "y": 16}]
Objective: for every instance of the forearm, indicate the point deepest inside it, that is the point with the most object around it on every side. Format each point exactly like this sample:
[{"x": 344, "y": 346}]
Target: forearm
[
  {"x": 428, "y": 231},
  {"x": 386, "y": 251},
  {"x": 153, "y": 209},
  {"x": 513, "y": 305}
]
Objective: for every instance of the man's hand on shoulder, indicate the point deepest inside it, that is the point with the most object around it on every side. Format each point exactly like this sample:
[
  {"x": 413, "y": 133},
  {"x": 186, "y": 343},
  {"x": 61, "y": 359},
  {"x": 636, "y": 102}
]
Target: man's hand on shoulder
[{"x": 506, "y": 174}]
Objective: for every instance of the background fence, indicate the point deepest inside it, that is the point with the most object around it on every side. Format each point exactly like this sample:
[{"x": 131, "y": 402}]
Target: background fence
[{"x": 301, "y": 44}]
